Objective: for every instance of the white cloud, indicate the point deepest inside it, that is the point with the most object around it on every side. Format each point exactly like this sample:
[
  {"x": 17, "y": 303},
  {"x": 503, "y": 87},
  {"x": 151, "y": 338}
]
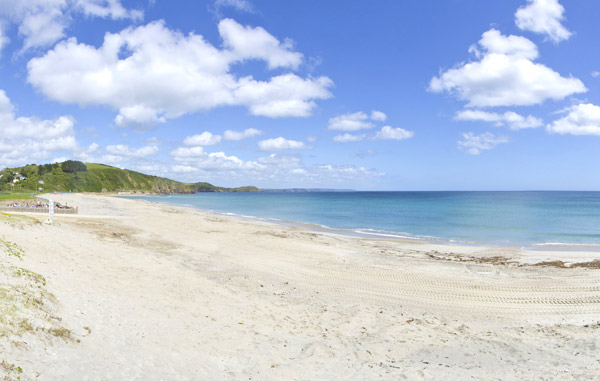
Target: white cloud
[
  {"x": 204, "y": 139},
  {"x": 350, "y": 122},
  {"x": 240, "y": 5},
  {"x": 107, "y": 8},
  {"x": 493, "y": 42},
  {"x": 582, "y": 119},
  {"x": 544, "y": 17},
  {"x": 30, "y": 139},
  {"x": 3, "y": 39},
  {"x": 195, "y": 158},
  {"x": 345, "y": 138},
  {"x": 505, "y": 75},
  {"x": 378, "y": 116},
  {"x": 291, "y": 169},
  {"x": 167, "y": 74},
  {"x": 87, "y": 154},
  {"x": 240, "y": 135},
  {"x": 474, "y": 144},
  {"x": 286, "y": 95},
  {"x": 219, "y": 160},
  {"x": 43, "y": 22},
  {"x": 139, "y": 116},
  {"x": 244, "y": 42},
  {"x": 126, "y": 151},
  {"x": 596, "y": 74},
  {"x": 184, "y": 169},
  {"x": 280, "y": 144},
  {"x": 275, "y": 169},
  {"x": 390, "y": 133},
  {"x": 513, "y": 120},
  {"x": 187, "y": 153}
]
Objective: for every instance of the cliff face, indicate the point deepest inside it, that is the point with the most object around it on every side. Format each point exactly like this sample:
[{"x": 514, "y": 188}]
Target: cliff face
[{"x": 96, "y": 178}]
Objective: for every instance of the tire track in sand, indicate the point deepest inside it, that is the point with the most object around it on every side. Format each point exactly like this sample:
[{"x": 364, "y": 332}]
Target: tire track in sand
[{"x": 556, "y": 295}]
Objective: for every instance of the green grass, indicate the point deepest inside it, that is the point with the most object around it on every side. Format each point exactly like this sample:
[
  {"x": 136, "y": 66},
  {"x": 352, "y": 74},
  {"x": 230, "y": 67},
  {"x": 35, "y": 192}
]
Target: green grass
[{"x": 16, "y": 196}]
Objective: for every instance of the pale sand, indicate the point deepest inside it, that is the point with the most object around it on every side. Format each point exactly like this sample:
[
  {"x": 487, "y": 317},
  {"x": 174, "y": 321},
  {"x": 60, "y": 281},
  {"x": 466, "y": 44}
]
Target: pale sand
[{"x": 172, "y": 293}]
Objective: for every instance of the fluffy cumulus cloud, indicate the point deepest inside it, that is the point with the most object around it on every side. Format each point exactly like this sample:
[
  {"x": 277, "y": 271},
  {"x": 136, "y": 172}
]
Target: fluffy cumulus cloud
[
  {"x": 511, "y": 119},
  {"x": 504, "y": 75},
  {"x": 474, "y": 144},
  {"x": 544, "y": 17},
  {"x": 138, "y": 116},
  {"x": 151, "y": 73},
  {"x": 244, "y": 42},
  {"x": 241, "y": 135},
  {"x": 350, "y": 122},
  {"x": 30, "y": 139},
  {"x": 283, "y": 96},
  {"x": 345, "y": 138},
  {"x": 391, "y": 133},
  {"x": 582, "y": 119},
  {"x": 204, "y": 139},
  {"x": 276, "y": 168},
  {"x": 378, "y": 116},
  {"x": 358, "y": 121},
  {"x": 43, "y": 22},
  {"x": 280, "y": 144},
  {"x": 195, "y": 159}
]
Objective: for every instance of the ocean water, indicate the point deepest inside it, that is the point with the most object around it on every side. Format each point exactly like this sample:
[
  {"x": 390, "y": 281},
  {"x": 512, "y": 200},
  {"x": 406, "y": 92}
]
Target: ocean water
[{"x": 521, "y": 219}]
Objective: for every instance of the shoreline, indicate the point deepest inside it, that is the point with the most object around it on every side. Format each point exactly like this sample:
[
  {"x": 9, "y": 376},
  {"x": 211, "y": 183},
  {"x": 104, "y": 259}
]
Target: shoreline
[
  {"x": 365, "y": 232},
  {"x": 157, "y": 291},
  {"x": 584, "y": 250}
]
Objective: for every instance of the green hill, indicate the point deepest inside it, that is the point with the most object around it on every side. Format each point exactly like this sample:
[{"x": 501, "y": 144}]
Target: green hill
[{"x": 75, "y": 176}]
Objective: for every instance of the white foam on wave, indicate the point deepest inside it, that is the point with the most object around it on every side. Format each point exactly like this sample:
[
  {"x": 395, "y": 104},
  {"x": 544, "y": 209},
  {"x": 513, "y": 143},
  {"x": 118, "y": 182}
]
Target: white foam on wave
[{"x": 565, "y": 244}]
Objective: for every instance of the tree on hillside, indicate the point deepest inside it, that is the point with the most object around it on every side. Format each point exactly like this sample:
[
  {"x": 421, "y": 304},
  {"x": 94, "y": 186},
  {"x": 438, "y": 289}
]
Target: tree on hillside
[
  {"x": 72, "y": 166},
  {"x": 46, "y": 168}
]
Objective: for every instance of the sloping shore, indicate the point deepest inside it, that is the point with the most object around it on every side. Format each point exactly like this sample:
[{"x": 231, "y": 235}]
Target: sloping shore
[{"x": 152, "y": 291}]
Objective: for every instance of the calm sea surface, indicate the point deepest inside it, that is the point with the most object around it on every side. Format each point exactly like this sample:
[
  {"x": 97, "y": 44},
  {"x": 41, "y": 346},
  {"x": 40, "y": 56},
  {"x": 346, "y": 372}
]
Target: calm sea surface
[{"x": 535, "y": 219}]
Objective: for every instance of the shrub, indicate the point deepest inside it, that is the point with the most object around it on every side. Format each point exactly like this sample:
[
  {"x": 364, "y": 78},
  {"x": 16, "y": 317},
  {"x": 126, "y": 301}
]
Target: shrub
[{"x": 72, "y": 166}]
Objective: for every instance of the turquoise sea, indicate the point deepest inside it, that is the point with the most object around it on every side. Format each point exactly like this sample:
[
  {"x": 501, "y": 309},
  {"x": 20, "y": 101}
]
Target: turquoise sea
[{"x": 523, "y": 219}]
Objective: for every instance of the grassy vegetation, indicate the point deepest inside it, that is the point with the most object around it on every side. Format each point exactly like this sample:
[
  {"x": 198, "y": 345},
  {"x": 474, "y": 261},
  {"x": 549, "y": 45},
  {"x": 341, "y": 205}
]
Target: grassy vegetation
[
  {"x": 18, "y": 220},
  {"x": 15, "y": 196},
  {"x": 26, "y": 307},
  {"x": 94, "y": 178}
]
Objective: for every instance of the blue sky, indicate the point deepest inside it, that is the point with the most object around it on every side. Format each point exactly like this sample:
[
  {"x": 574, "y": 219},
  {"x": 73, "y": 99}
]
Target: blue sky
[{"x": 385, "y": 95}]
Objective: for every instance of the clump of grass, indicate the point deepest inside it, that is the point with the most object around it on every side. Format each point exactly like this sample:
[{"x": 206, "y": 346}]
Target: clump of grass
[
  {"x": 12, "y": 249},
  {"x": 10, "y": 368},
  {"x": 18, "y": 219},
  {"x": 61, "y": 332},
  {"x": 36, "y": 278}
]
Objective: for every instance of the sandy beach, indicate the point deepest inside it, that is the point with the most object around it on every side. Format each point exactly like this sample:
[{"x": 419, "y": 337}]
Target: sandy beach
[{"x": 138, "y": 290}]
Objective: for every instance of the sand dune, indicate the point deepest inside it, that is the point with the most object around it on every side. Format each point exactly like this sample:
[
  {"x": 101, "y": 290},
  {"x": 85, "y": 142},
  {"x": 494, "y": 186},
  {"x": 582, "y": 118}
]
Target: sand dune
[{"x": 151, "y": 291}]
